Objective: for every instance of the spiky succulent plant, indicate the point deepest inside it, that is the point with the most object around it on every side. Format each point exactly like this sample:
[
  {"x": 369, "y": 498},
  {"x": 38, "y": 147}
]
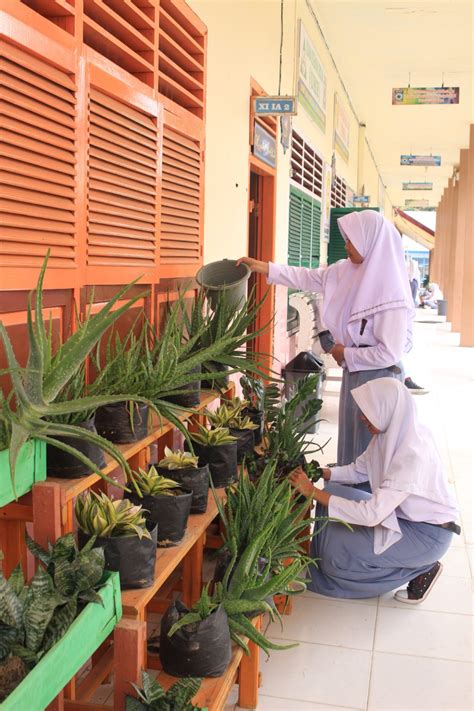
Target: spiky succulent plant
[
  {"x": 213, "y": 438},
  {"x": 152, "y": 696},
  {"x": 177, "y": 459},
  {"x": 98, "y": 515},
  {"x": 151, "y": 483}
]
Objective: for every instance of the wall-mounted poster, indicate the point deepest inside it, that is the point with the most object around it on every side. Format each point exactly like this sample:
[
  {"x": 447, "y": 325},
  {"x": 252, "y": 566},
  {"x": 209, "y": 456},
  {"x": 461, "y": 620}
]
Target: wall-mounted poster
[
  {"x": 412, "y": 185},
  {"x": 311, "y": 80},
  {"x": 341, "y": 128},
  {"x": 416, "y": 203},
  {"x": 264, "y": 145}
]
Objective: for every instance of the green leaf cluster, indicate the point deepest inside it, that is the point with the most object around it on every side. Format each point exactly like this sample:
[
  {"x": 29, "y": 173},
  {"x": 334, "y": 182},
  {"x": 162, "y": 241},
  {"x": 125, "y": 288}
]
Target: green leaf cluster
[
  {"x": 177, "y": 459},
  {"x": 229, "y": 414},
  {"x": 34, "y": 616},
  {"x": 152, "y": 696},
  {"x": 213, "y": 438},
  {"x": 151, "y": 483},
  {"x": 100, "y": 516}
]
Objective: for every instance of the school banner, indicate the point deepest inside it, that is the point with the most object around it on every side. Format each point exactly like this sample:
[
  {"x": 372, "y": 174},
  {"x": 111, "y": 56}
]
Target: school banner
[
  {"x": 341, "y": 128},
  {"x": 311, "y": 80}
]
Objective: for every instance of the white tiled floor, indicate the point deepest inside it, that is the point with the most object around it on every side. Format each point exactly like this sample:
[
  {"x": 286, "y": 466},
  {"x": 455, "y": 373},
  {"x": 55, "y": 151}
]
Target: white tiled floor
[{"x": 378, "y": 654}]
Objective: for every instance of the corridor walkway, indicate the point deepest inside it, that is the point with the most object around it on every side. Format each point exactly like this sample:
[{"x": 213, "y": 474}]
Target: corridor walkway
[{"x": 378, "y": 654}]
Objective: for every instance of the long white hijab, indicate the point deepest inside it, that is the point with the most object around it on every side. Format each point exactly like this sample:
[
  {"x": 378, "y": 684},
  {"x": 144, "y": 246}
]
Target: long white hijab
[
  {"x": 380, "y": 283},
  {"x": 404, "y": 456}
]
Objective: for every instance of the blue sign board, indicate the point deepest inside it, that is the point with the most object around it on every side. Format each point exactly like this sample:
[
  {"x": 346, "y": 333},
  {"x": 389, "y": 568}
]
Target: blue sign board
[
  {"x": 411, "y": 159},
  {"x": 264, "y": 145},
  {"x": 365, "y": 199},
  {"x": 274, "y": 105}
]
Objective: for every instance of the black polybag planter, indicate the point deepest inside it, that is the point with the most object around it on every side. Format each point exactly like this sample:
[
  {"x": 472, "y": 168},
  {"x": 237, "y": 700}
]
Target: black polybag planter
[
  {"x": 200, "y": 649},
  {"x": 191, "y": 478},
  {"x": 218, "y": 382},
  {"x": 245, "y": 442},
  {"x": 222, "y": 462},
  {"x": 133, "y": 557},
  {"x": 114, "y": 422},
  {"x": 256, "y": 416},
  {"x": 64, "y": 465},
  {"x": 192, "y": 396},
  {"x": 171, "y": 513}
]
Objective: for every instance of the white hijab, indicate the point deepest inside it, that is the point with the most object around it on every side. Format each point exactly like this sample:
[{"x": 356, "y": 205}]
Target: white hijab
[
  {"x": 380, "y": 283},
  {"x": 404, "y": 456}
]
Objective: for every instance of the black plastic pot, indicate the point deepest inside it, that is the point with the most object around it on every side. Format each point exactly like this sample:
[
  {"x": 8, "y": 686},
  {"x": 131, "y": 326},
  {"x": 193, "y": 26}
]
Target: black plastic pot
[
  {"x": 171, "y": 513},
  {"x": 256, "y": 417},
  {"x": 115, "y": 424},
  {"x": 134, "y": 558},
  {"x": 192, "y": 396},
  {"x": 195, "y": 479},
  {"x": 66, "y": 466},
  {"x": 221, "y": 381},
  {"x": 245, "y": 442},
  {"x": 222, "y": 462},
  {"x": 200, "y": 649}
]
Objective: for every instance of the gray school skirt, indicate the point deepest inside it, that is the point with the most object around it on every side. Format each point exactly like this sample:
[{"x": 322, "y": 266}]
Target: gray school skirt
[{"x": 347, "y": 566}]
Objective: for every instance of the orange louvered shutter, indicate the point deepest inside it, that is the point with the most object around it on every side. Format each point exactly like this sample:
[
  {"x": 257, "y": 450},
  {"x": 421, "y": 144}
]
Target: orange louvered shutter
[
  {"x": 37, "y": 167},
  {"x": 122, "y": 190},
  {"x": 181, "y": 204}
]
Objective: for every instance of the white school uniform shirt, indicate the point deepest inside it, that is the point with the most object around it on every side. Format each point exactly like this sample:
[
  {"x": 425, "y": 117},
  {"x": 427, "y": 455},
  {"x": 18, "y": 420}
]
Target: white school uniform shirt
[{"x": 384, "y": 332}]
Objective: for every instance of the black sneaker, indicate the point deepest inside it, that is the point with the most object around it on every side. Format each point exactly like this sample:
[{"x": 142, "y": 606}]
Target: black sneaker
[
  {"x": 420, "y": 587},
  {"x": 414, "y": 388}
]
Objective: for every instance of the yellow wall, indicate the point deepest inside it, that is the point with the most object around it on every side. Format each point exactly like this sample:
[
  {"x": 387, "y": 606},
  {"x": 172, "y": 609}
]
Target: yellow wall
[{"x": 243, "y": 43}]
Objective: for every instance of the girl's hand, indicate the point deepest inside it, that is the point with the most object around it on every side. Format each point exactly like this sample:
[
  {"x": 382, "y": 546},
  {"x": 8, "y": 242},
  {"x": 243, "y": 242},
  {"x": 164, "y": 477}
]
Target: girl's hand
[
  {"x": 301, "y": 483},
  {"x": 326, "y": 473},
  {"x": 337, "y": 353},
  {"x": 254, "y": 265}
]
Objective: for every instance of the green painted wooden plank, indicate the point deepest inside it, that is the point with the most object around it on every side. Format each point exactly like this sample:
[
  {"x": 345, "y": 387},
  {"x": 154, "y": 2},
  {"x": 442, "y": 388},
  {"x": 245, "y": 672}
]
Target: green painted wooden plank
[
  {"x": 30, "y": 468},
  {"x": 64, "y": 660}
]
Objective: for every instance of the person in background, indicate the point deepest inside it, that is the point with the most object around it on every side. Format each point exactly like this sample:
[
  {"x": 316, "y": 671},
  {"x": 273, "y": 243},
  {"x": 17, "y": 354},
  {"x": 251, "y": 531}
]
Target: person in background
[
  {"x": 415, "y": 281},
  {"x": 400, "y": 532},
  {"x": 367, "y": 309},
  {"x": 430, "y": 296}
]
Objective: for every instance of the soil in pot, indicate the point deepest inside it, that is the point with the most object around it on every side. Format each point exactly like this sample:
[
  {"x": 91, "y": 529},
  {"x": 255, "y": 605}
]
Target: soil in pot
[
  {"x": 195, "y": 479},
  {"x": 220, "y": 382},
  {"x": 222, "y": 462},
  {"x": 134, "y": 558},
  {"x": 200, "y": 649},
  {"x": 12, "y": 672},
  {"x": 245, "y": 442},
  {"x": 256, "y": 416},
  {"x": 115, "y": 423},
  {"x": 66, "y": 466},
  {"x": 192, "y": 396},
  {"x": 171, "y": 513}
]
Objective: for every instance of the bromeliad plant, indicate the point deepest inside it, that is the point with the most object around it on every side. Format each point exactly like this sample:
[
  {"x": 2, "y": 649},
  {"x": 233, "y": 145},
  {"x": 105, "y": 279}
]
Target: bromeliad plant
[
  {"x": 151, "y": 483},
  {"x": 178, "y": 459},
  {"x": 34, "y": 617},
  {"x": 40, "y": 388},
  {"x": 153, "y": 697},
  {"x": 213, "y": 438},
  {"x": 102, "y": 517}
]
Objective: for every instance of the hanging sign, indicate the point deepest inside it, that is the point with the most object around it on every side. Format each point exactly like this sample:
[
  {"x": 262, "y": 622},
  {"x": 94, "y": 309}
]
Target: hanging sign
[
  {"x": 410, "y": 159},
  {"x": 264, "y": 145},
  {"x": 417, "y": 186},
  {"x": 275, "y": 105},
  {"x": 364, "y": 199},
  {"x": 404, "y": 96},
  {"x": 417, "y": 203},
  {"x": 341, "y": 128},
  {"x": 311, "y": 80}
]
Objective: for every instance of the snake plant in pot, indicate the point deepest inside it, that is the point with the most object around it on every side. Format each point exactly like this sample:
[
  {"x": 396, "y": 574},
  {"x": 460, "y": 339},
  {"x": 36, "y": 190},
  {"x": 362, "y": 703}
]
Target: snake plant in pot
[
  {"x": 37, "y": 387},
  {"x": 218, "y": 449},
  {"x": 35, "y": 616},
  {"x": 262, "y": 401},
  {"x": 229, "y": 414},
  {"x": 184, "y": 468},
  {"x": 152, "y": 696},
  {"x": 120, "y": 528},
  {"x": 166, "y": 502}
]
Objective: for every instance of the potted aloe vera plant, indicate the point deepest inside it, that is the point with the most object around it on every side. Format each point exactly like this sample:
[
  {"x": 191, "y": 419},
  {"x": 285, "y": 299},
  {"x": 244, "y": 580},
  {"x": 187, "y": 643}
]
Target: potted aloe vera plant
[
  {"x": 152, "y": 696},
  {"x": 166, "y": 502},
  {"x": 50, "y": 626},
  {"x": 37, "y": 387},
  {"x": 120, "y": 528},
  {"x": 183, "y": 467},
  {"x": 218, "y": 449},
  {"x": 229, "y": 414}
]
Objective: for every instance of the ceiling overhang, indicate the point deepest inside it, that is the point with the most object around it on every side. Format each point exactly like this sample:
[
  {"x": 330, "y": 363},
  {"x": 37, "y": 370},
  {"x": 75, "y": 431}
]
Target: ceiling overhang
[{"x": 414, "y": 229}]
